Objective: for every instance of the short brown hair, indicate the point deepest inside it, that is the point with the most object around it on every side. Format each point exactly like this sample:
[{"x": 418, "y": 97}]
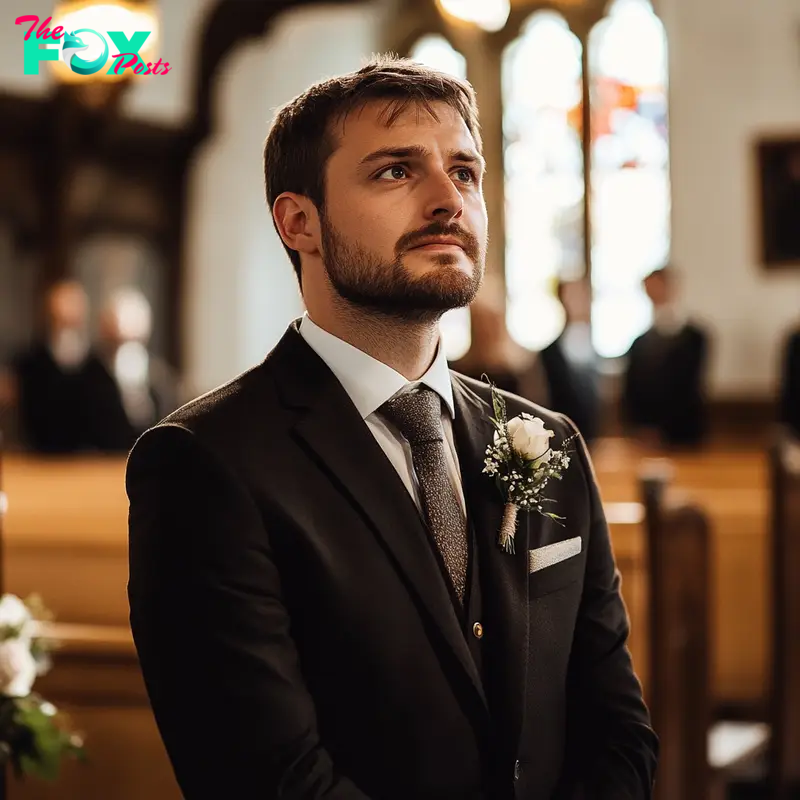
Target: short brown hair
[{"x": 301, "y": 140}]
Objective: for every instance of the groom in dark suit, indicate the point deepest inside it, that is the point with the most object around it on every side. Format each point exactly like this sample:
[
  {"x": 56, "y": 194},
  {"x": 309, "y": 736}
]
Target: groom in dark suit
[{"x": 318, "y": 598}]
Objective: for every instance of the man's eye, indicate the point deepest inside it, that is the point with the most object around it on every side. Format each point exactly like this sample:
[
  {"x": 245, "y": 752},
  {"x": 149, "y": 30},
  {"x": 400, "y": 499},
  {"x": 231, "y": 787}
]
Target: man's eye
[
  {"x": 396, "y": 171},
  {"x": 466, "y": 174}
]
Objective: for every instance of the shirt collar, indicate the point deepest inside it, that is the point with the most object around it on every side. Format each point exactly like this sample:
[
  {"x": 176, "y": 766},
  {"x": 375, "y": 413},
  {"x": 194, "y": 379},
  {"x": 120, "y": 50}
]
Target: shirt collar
[{"x": 369, "y": 382}]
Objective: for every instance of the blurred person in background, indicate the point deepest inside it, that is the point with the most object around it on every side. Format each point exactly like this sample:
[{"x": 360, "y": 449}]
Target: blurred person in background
[
  {"x": 146, "y": 385},
  {"x": 66, "y": 403},
  {"x": 570, "y": 362},
  {"x": 663, "y": 399},
  {"x": 494, "y": 353}
]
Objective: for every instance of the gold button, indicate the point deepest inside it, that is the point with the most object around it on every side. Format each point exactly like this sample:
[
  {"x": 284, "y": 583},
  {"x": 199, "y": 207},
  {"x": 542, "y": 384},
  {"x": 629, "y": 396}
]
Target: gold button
[{"x": 477, "y": 629}]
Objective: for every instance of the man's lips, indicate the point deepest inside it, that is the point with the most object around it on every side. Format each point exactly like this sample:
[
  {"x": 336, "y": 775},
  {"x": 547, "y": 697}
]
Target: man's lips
[{"x": 444, "y": 241}]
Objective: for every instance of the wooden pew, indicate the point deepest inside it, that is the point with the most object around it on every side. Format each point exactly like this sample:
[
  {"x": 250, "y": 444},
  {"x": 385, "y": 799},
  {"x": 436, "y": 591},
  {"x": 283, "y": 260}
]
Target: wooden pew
[
  {"x": 678, "y": 690},
  {"x": 626, "y": 526},
  {"x": 732, "y": 486},
  {"x": 96, "y": 677},
  {"x": 66, "y": 536},
  {"x": 698, "y": 757},
  {"x": 784, "y": 760}
]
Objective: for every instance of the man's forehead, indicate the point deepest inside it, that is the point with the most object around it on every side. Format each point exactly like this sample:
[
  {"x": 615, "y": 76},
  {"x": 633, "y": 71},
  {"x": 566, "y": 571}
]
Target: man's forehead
[{"x": 378, "y": 124}]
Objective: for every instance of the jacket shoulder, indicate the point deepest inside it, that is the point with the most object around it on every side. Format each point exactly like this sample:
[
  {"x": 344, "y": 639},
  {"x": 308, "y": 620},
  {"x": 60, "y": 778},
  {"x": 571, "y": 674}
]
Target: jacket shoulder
[
  {"x": 222, "y": 420},
  {"x": 221, "y": 403}
]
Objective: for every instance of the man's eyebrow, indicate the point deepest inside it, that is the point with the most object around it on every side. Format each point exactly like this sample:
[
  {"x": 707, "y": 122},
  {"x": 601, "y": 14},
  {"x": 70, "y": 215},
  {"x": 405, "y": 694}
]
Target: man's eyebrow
[
  {"x": 468, "y": 156},
  {"x": 418, "y": 151},
  {"x": 412, "y": 151}
]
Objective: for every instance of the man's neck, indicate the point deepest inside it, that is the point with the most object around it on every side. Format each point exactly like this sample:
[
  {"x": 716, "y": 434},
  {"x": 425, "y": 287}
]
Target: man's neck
[{"x": 407, "y": 347}]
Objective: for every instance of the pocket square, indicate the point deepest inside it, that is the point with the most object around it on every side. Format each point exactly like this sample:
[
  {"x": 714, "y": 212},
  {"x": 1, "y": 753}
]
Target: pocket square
[{"x": 551, "y": 554}]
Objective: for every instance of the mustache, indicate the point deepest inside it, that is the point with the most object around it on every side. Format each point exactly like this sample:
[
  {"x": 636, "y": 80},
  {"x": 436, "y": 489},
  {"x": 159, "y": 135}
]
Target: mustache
[{"x": 468, "y": 241}]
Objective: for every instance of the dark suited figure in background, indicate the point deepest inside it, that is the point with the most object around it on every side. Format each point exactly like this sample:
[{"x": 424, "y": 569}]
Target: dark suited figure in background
[
  {"x": 663, "y": 398},
  {"x": 493, "y": 352},
  {"x": 570, "y": 362},
  {"x": 67, "y": 402},
  {"x": 789, "y": 404}
]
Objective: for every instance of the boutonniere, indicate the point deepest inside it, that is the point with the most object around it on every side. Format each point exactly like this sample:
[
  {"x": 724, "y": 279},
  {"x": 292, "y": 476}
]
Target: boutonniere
[{"x": 522, "y": 462}]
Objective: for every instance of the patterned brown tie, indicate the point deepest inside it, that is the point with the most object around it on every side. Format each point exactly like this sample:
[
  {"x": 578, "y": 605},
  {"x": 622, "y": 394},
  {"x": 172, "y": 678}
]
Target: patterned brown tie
[{"x": 418, "y": 416}]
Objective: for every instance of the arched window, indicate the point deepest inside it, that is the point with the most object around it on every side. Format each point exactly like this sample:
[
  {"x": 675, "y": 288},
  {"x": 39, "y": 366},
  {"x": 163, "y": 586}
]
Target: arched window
[
  {"x": 630, "y": 169},
  {"x": 435, "y": 51},
  {"x": 544, "y": 180}
]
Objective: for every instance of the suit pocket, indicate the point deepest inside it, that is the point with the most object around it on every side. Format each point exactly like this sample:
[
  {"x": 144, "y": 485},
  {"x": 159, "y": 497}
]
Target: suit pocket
[{"x": 557, "y": 576}]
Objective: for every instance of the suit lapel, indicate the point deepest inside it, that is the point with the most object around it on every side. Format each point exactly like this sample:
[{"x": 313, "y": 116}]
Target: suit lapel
[
  {"x": 331, "y": 428},
  {"x": 504, "y": 594}
]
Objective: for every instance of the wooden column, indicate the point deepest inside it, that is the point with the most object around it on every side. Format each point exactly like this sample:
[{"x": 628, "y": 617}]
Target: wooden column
[
  {"x": 78, "y": 118},
  {"x": 486, "y": 77},
  {"x": 58, "y": 167}
]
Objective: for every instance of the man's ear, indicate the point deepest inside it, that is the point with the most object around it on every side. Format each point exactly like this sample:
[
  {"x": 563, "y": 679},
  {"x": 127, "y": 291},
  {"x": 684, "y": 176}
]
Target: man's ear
[{"x": 297, "y": 221}]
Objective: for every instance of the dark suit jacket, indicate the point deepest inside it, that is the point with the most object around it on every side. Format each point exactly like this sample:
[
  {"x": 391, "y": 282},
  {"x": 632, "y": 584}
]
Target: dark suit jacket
[
  {"x": 70, "y": 411},
  {"x": 297, "y": 638},
  {"x": 574, "y": 389},
  {"x": 663, "y": 385},
  {"x": 790, "y": 384}
]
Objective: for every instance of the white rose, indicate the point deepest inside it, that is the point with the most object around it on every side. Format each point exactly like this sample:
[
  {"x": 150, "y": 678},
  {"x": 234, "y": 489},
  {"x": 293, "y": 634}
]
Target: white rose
[
  {"x": 15, "y": 614},
  {"x": 530, "y": 438},
  {"x": 17, "y": 668}
]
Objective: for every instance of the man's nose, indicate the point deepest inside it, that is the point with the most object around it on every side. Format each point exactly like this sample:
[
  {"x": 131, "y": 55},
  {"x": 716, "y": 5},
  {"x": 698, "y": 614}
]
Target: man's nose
[{"x": 445, "y": 201}]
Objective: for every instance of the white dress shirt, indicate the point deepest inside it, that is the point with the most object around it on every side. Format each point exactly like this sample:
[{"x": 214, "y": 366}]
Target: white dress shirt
[{"x": 370, "y": 383}]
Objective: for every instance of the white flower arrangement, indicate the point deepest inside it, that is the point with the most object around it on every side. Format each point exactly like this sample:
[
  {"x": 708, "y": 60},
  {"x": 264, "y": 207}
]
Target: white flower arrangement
[
  {"x": 33, "y": 734},
  {"x": 522, "y": 462}
]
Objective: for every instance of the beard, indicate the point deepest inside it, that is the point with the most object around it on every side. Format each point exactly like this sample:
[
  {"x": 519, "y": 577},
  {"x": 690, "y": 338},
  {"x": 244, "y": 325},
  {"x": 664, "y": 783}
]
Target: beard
[{"x": 389, "y": 288}]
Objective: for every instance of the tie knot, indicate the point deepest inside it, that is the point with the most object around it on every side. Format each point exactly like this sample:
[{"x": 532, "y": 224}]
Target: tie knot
[{"x": 417, "y": 415}]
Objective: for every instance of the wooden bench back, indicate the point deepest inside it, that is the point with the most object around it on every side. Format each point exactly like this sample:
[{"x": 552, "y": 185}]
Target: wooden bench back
[
  {"x": 785, "y": 694},
  {"x": 679, "y": 694}
]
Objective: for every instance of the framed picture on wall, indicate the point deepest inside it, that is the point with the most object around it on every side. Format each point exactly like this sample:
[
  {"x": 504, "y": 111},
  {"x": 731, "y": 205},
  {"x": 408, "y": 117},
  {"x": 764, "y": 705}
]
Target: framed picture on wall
[{"x": 778, "y": 165}]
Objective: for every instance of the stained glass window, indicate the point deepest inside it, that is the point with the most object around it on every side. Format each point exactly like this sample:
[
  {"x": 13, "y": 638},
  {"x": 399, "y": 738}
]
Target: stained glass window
[
  {"x": 435, "y": 51},
  {"x": 630, "y": 169},
  {"x": 542, "y": 90}
]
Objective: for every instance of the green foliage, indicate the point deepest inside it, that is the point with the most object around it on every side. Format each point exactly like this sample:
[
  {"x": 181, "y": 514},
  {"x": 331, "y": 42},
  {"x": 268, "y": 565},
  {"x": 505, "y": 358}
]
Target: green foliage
[{"x": 49, "y": 740}]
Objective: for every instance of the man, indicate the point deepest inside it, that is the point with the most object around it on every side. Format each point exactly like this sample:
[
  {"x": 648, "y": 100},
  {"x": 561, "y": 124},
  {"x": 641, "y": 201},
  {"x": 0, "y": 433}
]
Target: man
[
  {"x": 145, "y": 384},
  {"x": 570, "y": 361},
  {"x": 68, "y": 403},
  {"x": 663, "y": 398},
  {"x": 318, "y": 599}
]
